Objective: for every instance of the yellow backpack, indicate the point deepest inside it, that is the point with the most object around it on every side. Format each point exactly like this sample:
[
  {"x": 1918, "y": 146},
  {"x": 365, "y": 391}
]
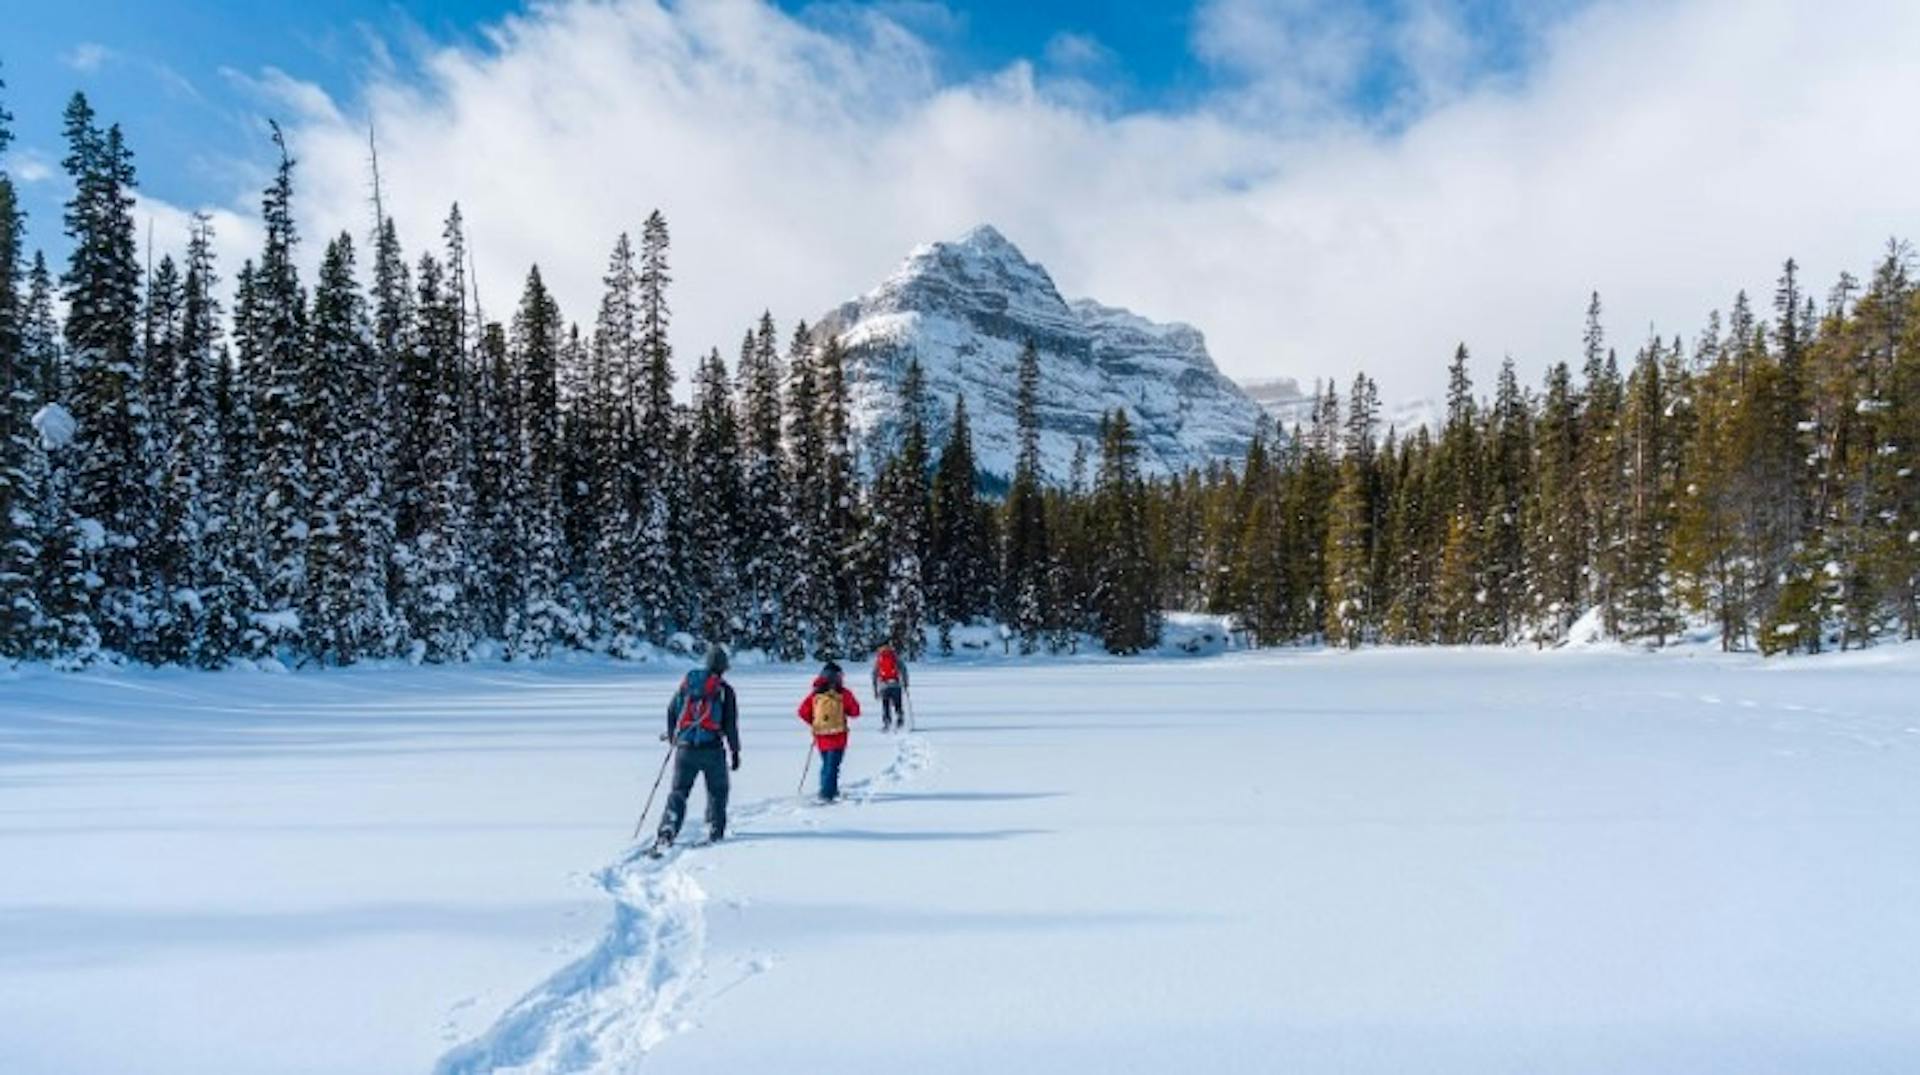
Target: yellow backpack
[{"x": 829, "y": 713}]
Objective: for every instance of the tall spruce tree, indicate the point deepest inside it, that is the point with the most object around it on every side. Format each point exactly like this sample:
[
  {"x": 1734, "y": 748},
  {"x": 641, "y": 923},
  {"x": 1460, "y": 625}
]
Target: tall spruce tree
[
  {"x": 20, "y": 613},
  {"x": 806, "y": 603},
  {"x": 543, "y": 619},
  {"x": 1556, "y": 515},
  {"x": 903, "y": 518},
  {"x": 716, "y": 494},
  {"x": 659, "y": 591},
  {"x": 1028, "y": 554},
  {"x": 434, "y": 556},
  {"x": 1351, "y": 524},
  {"x": 1505, "y": 575},
  {"x": 763, "y": 525},
  {"x": 1644, "y": 589},
  {"x": 613, "y": 566},
  {"x": 339, "y": 571},
  {"x": 840, "y": 523},
  {"x": 958, "y": 585},
  {"x": 1124, "y": 592},
  {"x": 279, "y": 317},
  {"x": 111, "y": 454}
]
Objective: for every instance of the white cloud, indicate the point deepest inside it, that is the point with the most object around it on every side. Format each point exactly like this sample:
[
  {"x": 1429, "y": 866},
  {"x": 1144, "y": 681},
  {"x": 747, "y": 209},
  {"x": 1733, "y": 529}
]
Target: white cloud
[
  {"x": 1664, "y": 153},
  {"x": 237, "y": 236},
  {"x": 1077, "y": 51},
  {"x": 87, "y": 57},
  {"x": 29, "y": 166}
]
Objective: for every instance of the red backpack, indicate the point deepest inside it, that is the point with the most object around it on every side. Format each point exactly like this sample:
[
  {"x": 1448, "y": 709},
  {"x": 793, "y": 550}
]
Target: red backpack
[
  {"x": 887, "y": 668},
  {"x": 699, "y": 720}
]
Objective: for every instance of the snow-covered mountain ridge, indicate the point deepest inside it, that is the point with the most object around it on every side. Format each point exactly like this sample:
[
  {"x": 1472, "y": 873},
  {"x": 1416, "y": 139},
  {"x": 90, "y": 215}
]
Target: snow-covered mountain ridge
[
  {"x": 1290, "y": 406},
  {"x": 966, "y": 309}
]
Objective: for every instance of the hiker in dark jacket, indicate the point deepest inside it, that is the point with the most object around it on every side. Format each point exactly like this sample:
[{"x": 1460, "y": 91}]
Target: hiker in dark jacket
[{"x": 703, "y": 720}]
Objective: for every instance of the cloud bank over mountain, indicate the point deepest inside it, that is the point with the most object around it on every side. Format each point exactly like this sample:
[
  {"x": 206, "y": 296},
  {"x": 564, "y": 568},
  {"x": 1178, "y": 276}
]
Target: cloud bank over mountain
[{"x": 1662, "y": 153}]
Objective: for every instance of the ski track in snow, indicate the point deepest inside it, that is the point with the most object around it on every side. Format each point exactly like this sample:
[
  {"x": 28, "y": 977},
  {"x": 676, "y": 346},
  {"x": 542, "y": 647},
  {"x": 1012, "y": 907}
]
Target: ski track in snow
[{"x": 641, "y": 982}]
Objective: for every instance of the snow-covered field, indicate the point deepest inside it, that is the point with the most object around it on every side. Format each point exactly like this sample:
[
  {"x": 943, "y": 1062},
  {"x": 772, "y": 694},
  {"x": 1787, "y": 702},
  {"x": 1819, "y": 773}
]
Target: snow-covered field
[{"x": 1388, "y": 861}]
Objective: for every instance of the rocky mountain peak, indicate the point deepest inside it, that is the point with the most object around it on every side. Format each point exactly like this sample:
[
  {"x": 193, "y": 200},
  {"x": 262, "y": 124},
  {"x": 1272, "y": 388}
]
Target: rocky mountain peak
[{"x": 966, "y": 309}]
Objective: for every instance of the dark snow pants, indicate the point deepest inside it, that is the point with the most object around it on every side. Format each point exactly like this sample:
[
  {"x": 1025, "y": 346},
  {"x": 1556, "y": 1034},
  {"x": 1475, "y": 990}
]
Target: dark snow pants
[
  {"x": 830, "y": 773},
  {"x": 891, "y": 711},
  {"x": 689, "y": 762}
]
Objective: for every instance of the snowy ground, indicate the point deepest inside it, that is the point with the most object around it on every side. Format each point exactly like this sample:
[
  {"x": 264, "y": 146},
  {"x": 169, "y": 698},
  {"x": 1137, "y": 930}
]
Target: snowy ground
[{"x": 1390, "y": 861}]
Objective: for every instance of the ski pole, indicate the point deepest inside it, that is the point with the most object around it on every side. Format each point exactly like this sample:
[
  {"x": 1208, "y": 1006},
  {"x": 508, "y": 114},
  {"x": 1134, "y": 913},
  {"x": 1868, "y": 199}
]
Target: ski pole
[
  {"x": 647, "y": 809},
  {"x": 805, "y": 769}
]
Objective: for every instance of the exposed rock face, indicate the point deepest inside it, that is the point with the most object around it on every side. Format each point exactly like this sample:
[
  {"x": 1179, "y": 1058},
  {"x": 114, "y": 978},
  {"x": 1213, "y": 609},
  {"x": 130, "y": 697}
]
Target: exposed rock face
[{"x": 966, "y": 309}]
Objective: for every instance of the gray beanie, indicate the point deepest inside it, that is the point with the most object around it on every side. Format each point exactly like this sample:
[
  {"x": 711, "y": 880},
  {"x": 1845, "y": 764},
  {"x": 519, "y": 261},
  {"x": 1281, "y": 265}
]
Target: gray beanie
[{"x": 716, "y": 658}]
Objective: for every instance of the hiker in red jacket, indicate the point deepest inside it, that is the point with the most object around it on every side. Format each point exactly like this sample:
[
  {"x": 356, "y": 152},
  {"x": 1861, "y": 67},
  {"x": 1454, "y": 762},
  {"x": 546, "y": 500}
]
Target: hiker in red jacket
[
  {"x": 826, "y": 711},
  {"x": 890, "y": 683}
]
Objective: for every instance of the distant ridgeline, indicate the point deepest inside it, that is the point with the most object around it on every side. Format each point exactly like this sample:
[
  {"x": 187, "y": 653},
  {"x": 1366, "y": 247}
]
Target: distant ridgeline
[{"x": 353, "y": 467}]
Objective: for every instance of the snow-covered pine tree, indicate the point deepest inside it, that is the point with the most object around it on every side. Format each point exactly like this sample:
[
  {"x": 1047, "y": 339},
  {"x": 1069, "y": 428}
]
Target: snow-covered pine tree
[
  {"x": 763, "y": 524},
  {"x": 1459, "y": 480},
  {"x": 337, "y": 332},
  {"x": 1555, "y": 527},
  {"x": 1504, "y": 571},
  {"x": 1124, "y": 592},
  {"x": 1644, "y": 590},
  {"x": 1414, "y": 540},
  {"x": 499, "y": 524},
  {"x": 840, "y": 523},
  {"x": 209, "y": 594},
  {"x": 715, "y": 497},
  {"x": 111, "y": 455},
  {"x": 806, "y": 618},
  {"x": 280, "y": 319},
  {"x": 402, "y": 445},
  {"x": 960, "y": 579},
  {"x": 903, "y": 521},
  {"x": 659, "y": 589},
  {"x": 1027, "y": 560},
  {"x": 576, "y": 428},
  {"x": 160, "y": 352},
  {"x": 542, "y": 619},
  {"x": 20, "y": 614},
  {"x": 1306, "y": 493},
  {"x": 46, "y": 376},
  {"x": 1842, "y": 405},
  {"x": 1229, "y": 590},
  {"x": 1350, "y": 527},
  {"x": 1710, "y": 576},
  {"x": 434, "y": 556},
  {"x": 612, "y": 576},
  {"x": 1601, "y": 464},
  {"x": 160, "y": 349},
  {"x": 344, "y": 610},
  {"x": 1071, "y": 531},
  {"x": 1890, "y": 437},
  {"x": 49, "y": 546}
]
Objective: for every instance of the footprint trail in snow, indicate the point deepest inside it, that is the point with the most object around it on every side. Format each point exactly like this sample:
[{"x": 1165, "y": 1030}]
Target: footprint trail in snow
[{"x": 643, "y": 979}]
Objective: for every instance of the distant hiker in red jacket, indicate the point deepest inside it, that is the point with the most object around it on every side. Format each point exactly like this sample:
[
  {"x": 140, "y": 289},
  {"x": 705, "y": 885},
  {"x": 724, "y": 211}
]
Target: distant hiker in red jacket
[
  {"x": 890, "y": 683},
  {"x": 826, "y": 711}
]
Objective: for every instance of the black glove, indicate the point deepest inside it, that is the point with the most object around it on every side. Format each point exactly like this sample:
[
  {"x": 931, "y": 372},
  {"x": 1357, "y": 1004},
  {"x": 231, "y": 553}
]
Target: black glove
[
  {"x": 663, "y": 737},
  {"x": 735, "y": 764}
]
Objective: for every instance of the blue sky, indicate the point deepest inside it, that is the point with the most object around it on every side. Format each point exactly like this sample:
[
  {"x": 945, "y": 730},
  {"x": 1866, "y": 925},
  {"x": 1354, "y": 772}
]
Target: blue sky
[
  {"x": 1322, "y": 186},
  {"x": 177, "y": 75}
]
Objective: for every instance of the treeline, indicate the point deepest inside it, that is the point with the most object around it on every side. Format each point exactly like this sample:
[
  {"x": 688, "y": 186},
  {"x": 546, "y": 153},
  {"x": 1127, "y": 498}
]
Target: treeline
[
  {"x": 1762, "y": 481},
  {"x": 368, "y": 467}
]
